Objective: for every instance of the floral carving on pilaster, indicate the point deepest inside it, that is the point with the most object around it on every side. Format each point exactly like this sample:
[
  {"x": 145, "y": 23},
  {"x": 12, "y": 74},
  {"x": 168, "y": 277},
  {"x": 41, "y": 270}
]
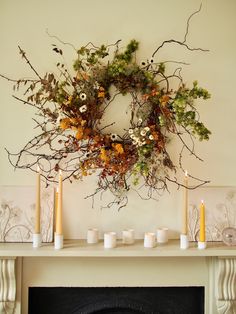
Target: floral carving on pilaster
[
  {"x": 226, "y": 286},
  {"x": 7, "y": 285}
]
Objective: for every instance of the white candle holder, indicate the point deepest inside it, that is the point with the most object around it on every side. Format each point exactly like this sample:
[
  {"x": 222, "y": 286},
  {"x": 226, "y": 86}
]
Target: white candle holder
[
  {"x": 58, "y": 242},
  {"x": 149, "y": 240},
  {"x": 202, "y": 245},
  {"x": 37, "y": 240},
  {"x": 162, "y": 235},
  {"x": 109, "y": 240},
  {"x": 184, "y": 243},
  {"x": 128, "y": 236},
  {"x": 92, "y": 236}
]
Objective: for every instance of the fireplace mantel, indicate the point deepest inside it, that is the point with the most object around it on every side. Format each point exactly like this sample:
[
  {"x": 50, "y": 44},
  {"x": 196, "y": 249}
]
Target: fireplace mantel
[
  {"x": 78, "y": 264},
  {"x": 80, "y": 248}
]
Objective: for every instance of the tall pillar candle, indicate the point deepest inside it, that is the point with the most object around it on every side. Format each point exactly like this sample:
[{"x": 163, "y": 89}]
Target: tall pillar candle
[
  {"x": 59, "y": 207},
  {"x": 38, "y": 203}
]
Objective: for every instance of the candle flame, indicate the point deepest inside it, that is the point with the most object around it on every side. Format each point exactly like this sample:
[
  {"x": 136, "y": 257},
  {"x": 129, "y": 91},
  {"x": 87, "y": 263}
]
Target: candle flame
[
  {"x": 38, "y": 169},
  {"x": 186, "y": 173},
  {"x": 60, "y": 172},
  {"x": 202, "y": 201}
]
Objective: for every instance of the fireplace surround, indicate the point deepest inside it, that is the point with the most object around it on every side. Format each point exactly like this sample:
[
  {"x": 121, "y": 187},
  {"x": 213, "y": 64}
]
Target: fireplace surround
[{"x": 79, "y": 265}]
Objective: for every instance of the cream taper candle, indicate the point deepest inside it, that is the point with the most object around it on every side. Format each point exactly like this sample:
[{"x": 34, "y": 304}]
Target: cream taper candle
[
  {"x": 59, "y": 206},
  {"x": 38, "y": 203},
  {"x": 185, "y": 205},
  {"x": 202, "y": 233}
]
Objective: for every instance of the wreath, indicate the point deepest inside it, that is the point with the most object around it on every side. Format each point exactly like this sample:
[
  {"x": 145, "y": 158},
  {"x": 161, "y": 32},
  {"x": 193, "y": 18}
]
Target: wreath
[{"x": 70, "y": 105}]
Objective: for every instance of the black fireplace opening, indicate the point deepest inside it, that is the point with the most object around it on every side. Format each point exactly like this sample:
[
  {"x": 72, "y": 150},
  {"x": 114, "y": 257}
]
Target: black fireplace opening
[{"x": 124, "y": 300}]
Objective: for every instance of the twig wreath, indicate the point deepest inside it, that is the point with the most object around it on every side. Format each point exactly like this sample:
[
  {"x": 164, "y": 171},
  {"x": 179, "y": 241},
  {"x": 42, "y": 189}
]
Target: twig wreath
[{"x": 69, "y": 108}]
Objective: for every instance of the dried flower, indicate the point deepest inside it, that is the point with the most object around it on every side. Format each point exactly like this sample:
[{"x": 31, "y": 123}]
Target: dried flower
[
  {"x": 83, "y": 96},
  {"x": 83, "y": 108},
  {"x": 151, "y": 137},
  {"x": 131, "y": 131},
  {"x": 65, "y": 123},
  {"x": 96, "y": 85},
  {"x": 143, "y": 132},
  {"x": 140, "y": 121},
  {"x": 114, "y": 137},
  {"x": 119, "y": 148}
]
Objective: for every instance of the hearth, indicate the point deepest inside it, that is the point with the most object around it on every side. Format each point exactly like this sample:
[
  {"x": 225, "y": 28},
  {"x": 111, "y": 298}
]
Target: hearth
[{"x": 140, "y": 300}]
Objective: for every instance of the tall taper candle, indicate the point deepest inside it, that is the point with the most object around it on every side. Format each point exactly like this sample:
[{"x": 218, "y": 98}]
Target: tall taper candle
[
  {"x": 59, "y": 207},
  {"x": 202, "y": 235},
  {"x": 55, "y": 209},
  {"x": 185, "y": 205},
  {"x": 37, "y": 207}
]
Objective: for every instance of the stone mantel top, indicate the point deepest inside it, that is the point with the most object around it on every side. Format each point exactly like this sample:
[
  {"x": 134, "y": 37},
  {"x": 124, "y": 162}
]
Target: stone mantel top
[{"x": 80, "y": 248}]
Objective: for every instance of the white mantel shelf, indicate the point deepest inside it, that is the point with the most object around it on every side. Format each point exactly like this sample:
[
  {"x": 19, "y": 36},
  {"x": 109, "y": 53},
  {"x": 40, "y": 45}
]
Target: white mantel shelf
[{"x": 79, "y": 248}]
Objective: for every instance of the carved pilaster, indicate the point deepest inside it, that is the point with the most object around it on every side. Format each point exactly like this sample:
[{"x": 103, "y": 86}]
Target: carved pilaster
[
  {"x": 7, "y": 286},
  {"x": 226, "y": 286}
]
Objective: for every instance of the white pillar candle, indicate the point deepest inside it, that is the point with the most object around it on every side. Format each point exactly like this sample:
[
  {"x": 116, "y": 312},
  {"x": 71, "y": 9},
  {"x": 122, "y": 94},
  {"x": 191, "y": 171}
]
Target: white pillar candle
[
  {"x": 162, "y": 235},
  {"x": 128, "y": 236},
  {"x": 109, "y": 240},
  {"x": 92, "y": 236},
  {"x": 149, "y": 240}
]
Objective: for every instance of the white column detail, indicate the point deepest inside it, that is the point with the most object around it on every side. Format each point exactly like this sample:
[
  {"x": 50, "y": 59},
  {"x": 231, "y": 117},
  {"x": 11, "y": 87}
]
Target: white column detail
[
  {"x": 7, "y": 285},
  {"x": 226, "y": 286}
]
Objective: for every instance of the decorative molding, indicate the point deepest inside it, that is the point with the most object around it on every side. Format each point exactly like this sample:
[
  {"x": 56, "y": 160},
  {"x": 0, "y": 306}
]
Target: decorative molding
[
  {"x": 7, "y": 285},
  {"x": 226, "y": 286}
]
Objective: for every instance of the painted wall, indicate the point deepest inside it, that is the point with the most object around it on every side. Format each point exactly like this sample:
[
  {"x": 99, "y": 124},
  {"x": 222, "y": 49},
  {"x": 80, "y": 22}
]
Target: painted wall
[{"x": 25, "y": 23}]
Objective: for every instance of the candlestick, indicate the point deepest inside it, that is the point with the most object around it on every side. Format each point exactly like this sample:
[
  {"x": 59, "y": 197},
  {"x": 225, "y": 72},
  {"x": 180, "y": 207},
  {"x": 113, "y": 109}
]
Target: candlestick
[{"x": 202, "y": 232}]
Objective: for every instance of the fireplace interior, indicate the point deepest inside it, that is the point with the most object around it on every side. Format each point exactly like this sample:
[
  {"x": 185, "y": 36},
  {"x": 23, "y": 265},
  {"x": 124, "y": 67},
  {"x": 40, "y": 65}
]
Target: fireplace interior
[{"x": 140, "y": 300}]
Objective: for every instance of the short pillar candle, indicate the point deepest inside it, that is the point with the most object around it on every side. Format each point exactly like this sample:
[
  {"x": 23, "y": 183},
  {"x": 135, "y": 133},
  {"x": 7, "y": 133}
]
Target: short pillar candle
[
  {"x": 109, "y": 240},
  {"x": 128, "y": 236},
  {"x": 92, "y": 236},
  {"x": 149, "y": 239},
  {"x": 162, "y": 235}
]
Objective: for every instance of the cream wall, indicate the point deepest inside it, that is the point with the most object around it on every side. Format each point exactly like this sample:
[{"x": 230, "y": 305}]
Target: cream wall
[{"x": 105, "y": 21}]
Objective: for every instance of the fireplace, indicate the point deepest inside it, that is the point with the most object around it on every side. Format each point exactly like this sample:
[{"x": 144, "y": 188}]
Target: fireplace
[
  {"x": 91, "y": 300},
  {"x": 25, "y": 271}
]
